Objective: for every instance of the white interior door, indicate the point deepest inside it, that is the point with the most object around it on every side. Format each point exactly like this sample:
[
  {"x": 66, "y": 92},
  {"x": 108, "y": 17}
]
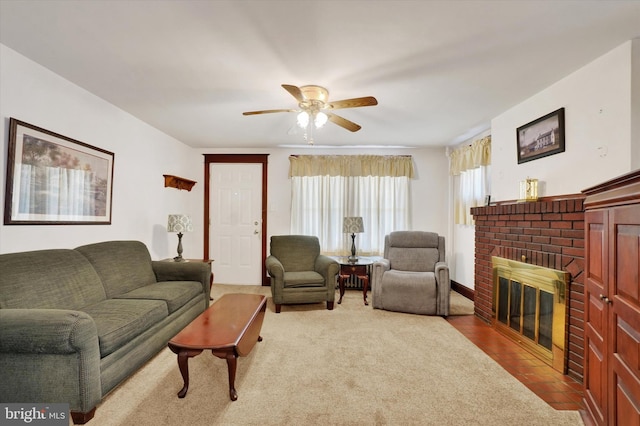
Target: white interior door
[{"x": 236, "y": 222}]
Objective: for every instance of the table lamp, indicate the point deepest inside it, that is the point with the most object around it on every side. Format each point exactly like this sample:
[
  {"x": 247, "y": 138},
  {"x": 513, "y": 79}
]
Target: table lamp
[
  {"x": 353, "y": 226},
  {"x": 179, "y": 223}
]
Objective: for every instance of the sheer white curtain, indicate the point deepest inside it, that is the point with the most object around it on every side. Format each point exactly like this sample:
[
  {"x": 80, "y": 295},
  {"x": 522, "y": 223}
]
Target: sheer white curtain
[
  {"x": 319, "y": 202},
  {"x": 471, "y": 165},
  {"x": 473, "y": 188}
]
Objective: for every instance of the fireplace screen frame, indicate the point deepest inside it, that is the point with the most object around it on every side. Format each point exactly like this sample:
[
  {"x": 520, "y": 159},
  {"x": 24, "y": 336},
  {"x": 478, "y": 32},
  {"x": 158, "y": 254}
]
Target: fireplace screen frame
[{"x": 523, "y": 317}]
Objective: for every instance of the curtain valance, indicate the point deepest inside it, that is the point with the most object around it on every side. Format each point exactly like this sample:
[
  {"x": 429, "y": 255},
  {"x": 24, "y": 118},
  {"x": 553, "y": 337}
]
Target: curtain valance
[
  {"x": 351, "y": 165},
  {"x": 471, "y": 156}
]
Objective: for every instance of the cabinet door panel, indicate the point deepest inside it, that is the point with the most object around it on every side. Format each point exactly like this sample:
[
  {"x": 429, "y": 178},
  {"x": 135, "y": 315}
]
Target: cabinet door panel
[
  {"x": 596, "y": 270},
  {"x": 624, "y": 244},
  {"x": 627, "y": 243},
  {"x": 627, "y": 408}
]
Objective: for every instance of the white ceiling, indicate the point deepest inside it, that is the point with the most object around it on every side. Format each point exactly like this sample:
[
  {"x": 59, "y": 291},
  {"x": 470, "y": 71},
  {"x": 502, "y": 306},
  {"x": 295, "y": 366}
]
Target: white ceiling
[{"x": 441, "y": 70}]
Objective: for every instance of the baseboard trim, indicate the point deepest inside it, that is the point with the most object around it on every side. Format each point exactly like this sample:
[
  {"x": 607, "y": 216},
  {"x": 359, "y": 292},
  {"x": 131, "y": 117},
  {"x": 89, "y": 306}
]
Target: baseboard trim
[{"x": 463, "y": 290}]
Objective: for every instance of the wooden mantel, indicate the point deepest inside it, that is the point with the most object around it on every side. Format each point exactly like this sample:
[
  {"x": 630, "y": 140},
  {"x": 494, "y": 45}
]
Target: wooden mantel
[{"x": 178, "y": 182}]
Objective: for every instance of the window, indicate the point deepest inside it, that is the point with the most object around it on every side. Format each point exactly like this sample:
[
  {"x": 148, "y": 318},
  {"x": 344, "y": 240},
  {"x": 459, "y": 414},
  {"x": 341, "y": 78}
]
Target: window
[
  {"x": 325, "y": 189},
  {"x": 471, "y": 166}
]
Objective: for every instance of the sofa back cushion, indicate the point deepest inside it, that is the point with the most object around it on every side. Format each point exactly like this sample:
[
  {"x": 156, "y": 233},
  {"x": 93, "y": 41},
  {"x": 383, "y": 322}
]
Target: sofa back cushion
[
  {"x": 296, "y": 252},
  {"x": 48, "y": 279},
  {"x": 121, "y": 265}
]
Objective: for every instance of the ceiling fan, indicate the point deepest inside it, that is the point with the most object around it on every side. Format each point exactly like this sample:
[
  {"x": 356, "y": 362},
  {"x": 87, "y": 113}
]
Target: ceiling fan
[{"x": 314, "y": 107}]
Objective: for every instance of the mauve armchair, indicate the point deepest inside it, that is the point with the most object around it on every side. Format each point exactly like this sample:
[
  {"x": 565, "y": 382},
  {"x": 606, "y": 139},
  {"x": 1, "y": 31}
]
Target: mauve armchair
[
  {"x": 299, "y": 273},
  {"x": 413, "y": 276}
]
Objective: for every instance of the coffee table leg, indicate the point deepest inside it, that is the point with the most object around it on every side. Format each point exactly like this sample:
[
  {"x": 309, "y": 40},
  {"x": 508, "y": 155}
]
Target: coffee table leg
[{"x": 232, "y": 361}]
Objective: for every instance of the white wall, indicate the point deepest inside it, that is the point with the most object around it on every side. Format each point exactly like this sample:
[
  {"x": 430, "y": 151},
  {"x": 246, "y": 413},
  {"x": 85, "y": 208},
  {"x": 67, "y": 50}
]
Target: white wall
[
  {"x": 635, "y": 104},
  {"x": 598, "y": 122},
  {"x": 602, "y": 110},
  {"x": 143, "y": 154},
  {"x": 429, "y": 190},
  {"x": 602, "y": 139},
  {"x": 35, "y": 95}
]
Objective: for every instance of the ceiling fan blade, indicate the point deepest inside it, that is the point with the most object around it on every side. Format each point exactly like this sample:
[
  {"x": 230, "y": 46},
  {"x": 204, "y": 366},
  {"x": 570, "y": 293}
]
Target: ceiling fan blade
[
  {"x": 295, "y": 92},
  {"x": 353, "y": 103},
  {"x": 343, "y": 122},
  {"x": 268, "y": 111}
]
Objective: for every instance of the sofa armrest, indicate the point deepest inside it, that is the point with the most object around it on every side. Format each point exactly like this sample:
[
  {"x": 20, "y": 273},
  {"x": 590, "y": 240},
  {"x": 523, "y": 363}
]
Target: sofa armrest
[
  {"x": 184, "y": 271},
  {"x": 444, "y": 288},
  {"x": 46, "y": 331},
  {"x": 49, "y": 355}
]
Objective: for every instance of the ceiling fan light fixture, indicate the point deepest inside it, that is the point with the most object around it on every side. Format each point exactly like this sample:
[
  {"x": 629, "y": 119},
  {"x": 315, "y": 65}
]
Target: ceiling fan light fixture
[
  {"x": 320, "y": 119},
  {"x": 303, "y": 119},
  {"x": 312, "y": 100}
]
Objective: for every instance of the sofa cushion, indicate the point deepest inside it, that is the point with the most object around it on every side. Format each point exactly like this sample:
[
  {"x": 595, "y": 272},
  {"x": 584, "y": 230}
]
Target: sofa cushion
[
  {"x": 122, "y": 265},
  {"x": 303, "y": 279},
  {"x": 48, "y": 279},
  {"x": 175, "y": 294},
  {"x": 120, "y": 320}
]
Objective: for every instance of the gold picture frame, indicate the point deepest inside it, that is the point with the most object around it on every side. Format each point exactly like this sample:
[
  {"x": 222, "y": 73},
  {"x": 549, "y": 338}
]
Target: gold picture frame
[{"x": 53, "y": 179}]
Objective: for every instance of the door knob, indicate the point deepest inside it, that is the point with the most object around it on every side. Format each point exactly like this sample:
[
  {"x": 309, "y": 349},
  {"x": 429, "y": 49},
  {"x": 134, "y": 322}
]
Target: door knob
[
  {"x": 605, "y": 299},
  {"x": 256, "y": 232}
]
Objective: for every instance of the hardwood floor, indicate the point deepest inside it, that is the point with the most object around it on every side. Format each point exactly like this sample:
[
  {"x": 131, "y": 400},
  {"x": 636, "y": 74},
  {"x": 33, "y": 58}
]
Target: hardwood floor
[{"x": 558, "y": 390}]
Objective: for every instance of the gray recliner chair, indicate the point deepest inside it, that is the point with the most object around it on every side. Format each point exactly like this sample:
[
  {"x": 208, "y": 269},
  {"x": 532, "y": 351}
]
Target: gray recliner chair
[
  {"x": 413, "y": 276},
  {"x": 299, "y": 273}
]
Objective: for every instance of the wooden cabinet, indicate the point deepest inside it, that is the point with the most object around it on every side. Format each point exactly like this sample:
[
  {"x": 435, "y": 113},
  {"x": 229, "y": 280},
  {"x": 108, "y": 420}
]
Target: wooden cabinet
[{"x": 612, "y": 302}]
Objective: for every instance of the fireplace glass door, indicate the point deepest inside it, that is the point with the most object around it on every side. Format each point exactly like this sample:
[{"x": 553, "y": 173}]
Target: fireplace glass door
[
  {"x": 527, "y": 310},
  {"x": 529, "y": 304}
]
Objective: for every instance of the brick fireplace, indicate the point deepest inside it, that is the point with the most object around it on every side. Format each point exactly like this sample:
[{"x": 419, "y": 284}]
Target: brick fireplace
[{"x": 549, "y": 233}]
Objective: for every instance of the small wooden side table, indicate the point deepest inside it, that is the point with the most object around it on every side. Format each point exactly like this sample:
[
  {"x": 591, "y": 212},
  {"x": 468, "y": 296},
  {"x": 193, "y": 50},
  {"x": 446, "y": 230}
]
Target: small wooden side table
[
  {"x": 207, "y": 261},
  {"x": 358, "y": 269}
]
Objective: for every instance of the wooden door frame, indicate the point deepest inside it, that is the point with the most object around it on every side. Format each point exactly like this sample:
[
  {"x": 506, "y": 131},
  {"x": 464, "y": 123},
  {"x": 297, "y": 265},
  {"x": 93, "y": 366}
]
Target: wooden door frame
[{"x": 237, "y": 158}]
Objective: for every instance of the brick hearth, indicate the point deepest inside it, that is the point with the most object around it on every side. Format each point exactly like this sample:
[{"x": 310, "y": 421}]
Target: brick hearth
[{"x": 548, "y": 233}]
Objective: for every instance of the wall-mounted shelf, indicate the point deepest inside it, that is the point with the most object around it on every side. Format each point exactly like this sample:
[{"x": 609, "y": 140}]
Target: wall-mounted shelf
[{"x": 178, "y": 182}]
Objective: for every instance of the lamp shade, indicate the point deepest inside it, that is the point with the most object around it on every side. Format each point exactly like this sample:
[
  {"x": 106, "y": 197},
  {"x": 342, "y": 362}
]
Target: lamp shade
[
  {"x": 353, "y": 225},
  {"x": 179, "y": 223}
]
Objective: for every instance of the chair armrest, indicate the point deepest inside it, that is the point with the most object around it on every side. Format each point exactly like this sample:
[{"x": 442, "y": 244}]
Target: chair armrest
[
  {"x": 378, "y": 269},
  {"x": 184, "y": 271},
  {"x": 328, "y": 268},
  {"x": 443, "y": 284},
  {"x": 275, "y": 270}
]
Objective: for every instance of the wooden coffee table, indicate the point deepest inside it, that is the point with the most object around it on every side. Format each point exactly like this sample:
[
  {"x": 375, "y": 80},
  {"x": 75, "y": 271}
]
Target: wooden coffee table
[{"x": 230, "y": 328}]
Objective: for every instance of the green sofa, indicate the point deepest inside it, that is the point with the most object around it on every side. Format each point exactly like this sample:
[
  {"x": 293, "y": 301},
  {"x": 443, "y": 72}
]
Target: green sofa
[{"x": 76, "y": 323}]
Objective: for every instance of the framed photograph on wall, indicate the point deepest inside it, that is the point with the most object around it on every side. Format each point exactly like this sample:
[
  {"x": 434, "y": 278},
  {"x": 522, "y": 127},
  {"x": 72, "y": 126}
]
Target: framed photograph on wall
[
  {"x": 541, "y": 137},
  {"x": 53, "y": 179}
]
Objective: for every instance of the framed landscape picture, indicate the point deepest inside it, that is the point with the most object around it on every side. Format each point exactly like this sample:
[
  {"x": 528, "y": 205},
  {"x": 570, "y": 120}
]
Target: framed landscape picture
[
  {"x": 53, "y": 179},
  {"x": 541, "y": 137}
]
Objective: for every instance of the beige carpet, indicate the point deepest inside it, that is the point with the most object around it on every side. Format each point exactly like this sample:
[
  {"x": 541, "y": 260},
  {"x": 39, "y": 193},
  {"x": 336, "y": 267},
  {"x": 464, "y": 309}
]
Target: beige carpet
[{"x": 350, "y": 366}]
